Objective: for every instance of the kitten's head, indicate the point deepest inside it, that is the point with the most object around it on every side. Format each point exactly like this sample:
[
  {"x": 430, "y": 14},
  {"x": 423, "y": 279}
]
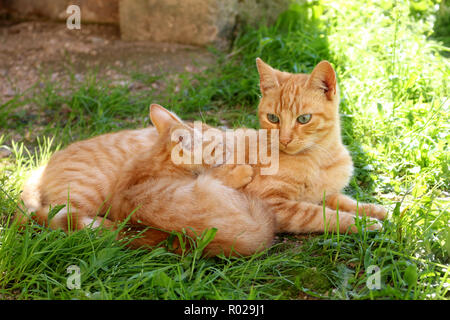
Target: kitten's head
[
  {"x": 303, "y": 107},
  {"x": 183, "y": 140}
]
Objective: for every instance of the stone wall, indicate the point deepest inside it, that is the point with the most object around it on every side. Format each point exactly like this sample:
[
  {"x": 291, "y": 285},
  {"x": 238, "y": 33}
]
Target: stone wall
[
  {"x": 92, "y": 11},
  {"x": 255, "y": 12},
  {"x": 195, "y": 22},
  {"x": 198, "y": 22}
]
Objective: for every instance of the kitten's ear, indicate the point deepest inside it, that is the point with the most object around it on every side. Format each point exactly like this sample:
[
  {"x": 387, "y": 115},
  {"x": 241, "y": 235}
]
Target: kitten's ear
[
  {"x": 162, "y": 118},
  {"x": 267, "y": 76},
  {"x": 323, "y": 78}
]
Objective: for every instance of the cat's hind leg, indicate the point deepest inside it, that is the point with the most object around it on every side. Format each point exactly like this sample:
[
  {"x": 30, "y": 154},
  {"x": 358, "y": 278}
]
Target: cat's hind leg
[{"x": 244, "y": 225}]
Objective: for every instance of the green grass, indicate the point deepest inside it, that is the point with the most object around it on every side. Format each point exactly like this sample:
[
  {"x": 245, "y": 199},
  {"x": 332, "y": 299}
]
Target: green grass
[{"x": 395, "y": 118}]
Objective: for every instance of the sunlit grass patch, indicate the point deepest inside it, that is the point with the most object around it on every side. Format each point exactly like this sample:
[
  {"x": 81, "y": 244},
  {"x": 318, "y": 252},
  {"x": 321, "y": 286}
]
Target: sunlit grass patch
[{"x": 395, "y": 122}]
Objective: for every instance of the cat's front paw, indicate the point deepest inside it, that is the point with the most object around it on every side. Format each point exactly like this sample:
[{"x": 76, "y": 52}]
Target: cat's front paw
[
  {"x": 371, "y": 224},
  {"x": 374, "y": 224},
  {"x": 373, "y": 210},
  {"x": 240, "y": 176}
]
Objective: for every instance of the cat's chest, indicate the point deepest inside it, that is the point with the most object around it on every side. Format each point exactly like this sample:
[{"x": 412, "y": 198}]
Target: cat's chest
[
  {"x": 311, "y": 180},
  {"x": 304, "y": 176}
]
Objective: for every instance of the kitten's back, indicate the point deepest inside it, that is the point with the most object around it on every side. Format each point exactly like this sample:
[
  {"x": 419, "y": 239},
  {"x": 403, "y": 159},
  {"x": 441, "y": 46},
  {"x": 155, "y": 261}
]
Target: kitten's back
[{"x": 91, "y": 167}]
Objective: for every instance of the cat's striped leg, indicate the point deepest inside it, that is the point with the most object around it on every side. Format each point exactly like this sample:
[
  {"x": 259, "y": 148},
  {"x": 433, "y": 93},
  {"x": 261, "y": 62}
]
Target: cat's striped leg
[
  {"x": 244, "y": 225},
  {"x": 304, "y": 217},
  {"x": 348, "y": 204}
]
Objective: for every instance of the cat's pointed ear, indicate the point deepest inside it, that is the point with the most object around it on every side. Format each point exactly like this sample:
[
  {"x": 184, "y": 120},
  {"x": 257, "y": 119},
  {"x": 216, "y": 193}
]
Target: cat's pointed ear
[
  {"x": 323, "y": 78},
  {"x": 162, "y": 118},
  {"x": 267, "y": 76}
]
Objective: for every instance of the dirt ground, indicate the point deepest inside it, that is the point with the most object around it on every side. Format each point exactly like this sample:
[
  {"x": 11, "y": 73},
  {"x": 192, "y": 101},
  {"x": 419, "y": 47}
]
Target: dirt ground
[{"x": 33, "y": 51}]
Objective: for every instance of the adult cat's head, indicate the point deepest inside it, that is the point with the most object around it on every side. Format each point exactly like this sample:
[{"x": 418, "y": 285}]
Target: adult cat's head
[{"x": 304, "y": 107}]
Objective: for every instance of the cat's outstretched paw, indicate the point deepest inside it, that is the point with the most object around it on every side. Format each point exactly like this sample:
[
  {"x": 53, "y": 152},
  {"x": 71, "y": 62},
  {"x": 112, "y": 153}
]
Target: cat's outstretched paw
[
  {"x": 373, "y": 210},
  {"x": 240, "y": 176},
  {"x": 374, "y": 224},
  {"x": 371, "y": 224}
]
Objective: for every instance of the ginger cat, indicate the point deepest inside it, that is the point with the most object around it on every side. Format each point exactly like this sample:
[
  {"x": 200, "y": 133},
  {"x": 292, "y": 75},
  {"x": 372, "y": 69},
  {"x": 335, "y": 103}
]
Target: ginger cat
[
  {"x": 124, "y": 170},
  {"x": 106, "y": 178},
  {"x": 313, "y": 162}
]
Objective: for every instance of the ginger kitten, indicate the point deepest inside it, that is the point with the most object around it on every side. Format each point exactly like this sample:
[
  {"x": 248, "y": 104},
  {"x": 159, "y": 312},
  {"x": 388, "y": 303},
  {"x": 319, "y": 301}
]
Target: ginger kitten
[{"x": 106, "y": 178}]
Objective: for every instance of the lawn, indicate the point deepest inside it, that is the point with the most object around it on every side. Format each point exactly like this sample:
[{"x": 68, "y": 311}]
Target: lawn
[{"x": 393, "y": 76}]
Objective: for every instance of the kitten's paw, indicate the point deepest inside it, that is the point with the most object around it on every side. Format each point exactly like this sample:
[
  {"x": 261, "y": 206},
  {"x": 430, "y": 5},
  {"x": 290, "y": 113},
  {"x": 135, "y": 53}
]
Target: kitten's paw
[
  {"x": 240, "y": 176},
  {"x": 373, "y": 210}
]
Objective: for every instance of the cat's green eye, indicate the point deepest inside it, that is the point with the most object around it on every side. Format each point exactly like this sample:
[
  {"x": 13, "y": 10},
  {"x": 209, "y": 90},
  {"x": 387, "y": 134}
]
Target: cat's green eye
[
  {"x": 273, "y": 118},
  {"x": 304, "y": 118}
]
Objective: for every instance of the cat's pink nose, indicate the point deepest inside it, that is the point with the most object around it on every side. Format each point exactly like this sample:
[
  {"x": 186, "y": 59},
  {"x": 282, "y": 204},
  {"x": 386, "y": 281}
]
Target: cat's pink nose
[{"x": 285, "y": 140}]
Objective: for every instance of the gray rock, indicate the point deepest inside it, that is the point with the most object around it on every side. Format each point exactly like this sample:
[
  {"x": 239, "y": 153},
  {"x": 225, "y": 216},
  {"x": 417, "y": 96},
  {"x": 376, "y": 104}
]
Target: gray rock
[{"x": 195, "y": 22}]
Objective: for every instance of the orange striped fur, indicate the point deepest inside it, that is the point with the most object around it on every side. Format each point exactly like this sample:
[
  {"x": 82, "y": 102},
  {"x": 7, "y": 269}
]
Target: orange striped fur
[
  {"x": 121, "y": 172},
  {"x": 313, "y": 160},
  {"x": 118, "y": 173}
]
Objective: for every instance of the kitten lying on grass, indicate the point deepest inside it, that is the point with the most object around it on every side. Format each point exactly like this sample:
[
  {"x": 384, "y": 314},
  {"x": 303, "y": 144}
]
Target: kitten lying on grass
[{"x": 104, "y": 179}]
